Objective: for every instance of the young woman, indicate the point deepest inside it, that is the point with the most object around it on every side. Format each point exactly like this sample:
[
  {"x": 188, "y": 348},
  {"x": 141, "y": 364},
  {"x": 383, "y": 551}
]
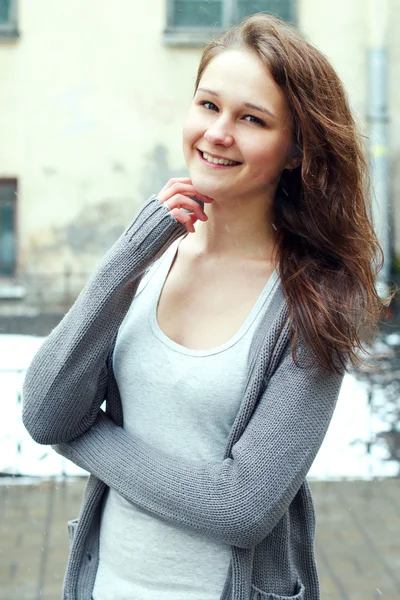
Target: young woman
[{"x": 221, "y": 351}]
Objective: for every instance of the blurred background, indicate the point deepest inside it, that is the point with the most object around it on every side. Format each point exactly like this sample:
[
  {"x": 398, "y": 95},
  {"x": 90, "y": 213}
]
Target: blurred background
[{"x": 92, "y": 100}]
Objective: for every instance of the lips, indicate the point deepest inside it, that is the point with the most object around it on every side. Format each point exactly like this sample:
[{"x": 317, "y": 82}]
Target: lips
[{"x": 217, "y": 160}]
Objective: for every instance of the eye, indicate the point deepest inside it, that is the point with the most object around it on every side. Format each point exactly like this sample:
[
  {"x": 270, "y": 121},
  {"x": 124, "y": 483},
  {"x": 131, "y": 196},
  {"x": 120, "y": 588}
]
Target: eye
[
  {"x": 208, "y": 105},
  {"x": 253, "y": 119}
]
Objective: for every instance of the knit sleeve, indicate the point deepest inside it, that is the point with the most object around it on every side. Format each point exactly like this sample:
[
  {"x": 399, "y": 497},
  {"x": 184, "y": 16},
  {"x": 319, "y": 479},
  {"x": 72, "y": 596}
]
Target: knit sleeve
[
  {"x": 66, "y": 381},
  {"x": 238, "y": 500}
]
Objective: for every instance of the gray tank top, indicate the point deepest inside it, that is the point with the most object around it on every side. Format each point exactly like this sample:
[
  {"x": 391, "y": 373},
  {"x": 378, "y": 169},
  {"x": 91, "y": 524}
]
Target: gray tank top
[{"x": 183, "y": 402}]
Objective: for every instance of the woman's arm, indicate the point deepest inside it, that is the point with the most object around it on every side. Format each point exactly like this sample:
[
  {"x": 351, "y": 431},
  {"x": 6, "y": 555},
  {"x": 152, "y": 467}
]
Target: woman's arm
[
  {"x": 66, "y": 382},
  {"x": 238, "y": 500}
]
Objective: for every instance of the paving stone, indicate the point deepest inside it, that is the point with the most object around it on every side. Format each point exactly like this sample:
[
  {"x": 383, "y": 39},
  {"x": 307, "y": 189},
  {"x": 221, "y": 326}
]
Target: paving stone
[
  {"x": 357, "y": 539},
  {"x": 328, "y": 586}
]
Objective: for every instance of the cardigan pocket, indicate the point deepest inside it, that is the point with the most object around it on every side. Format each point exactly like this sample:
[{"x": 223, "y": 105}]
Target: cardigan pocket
[
  {"x": 257, "y": 594},
  {"x": 72, "y": 525}
]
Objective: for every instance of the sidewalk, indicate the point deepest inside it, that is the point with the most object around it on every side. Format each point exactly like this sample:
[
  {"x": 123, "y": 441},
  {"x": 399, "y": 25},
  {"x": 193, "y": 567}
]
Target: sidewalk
[{"x": 358, "y": 538}]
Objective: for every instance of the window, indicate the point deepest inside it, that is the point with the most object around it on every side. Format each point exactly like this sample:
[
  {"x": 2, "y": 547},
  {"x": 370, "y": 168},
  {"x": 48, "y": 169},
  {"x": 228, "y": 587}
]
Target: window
[
  {"x": 192, "y": 22},
  {"x": 8, "y": 195},
  {"x": 279, "y": 8},
  {"x": 8, "y": 18}
]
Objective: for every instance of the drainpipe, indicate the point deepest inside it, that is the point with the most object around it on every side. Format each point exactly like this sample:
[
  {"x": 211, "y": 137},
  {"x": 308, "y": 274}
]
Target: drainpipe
[{"x": 378, "y": 118}]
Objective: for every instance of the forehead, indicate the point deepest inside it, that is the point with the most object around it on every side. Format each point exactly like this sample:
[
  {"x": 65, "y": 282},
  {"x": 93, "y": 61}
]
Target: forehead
[{"x": 239, "y": 75}]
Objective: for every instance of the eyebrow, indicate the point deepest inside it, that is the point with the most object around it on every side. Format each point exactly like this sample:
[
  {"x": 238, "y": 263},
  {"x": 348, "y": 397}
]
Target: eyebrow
[{"x": 246, "y": 104}]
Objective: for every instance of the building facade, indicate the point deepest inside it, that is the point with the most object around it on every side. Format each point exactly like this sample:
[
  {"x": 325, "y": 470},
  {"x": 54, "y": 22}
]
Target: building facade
[{"x": 94, "y": 95}]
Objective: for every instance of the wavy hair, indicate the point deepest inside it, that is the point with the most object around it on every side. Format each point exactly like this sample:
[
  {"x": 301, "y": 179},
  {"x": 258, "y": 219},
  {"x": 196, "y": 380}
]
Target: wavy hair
[{"x": 329, "y": 256}]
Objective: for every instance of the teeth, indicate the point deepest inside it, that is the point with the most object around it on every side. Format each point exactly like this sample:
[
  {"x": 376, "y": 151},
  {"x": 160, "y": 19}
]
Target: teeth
[{"x": 218, "y": 161}]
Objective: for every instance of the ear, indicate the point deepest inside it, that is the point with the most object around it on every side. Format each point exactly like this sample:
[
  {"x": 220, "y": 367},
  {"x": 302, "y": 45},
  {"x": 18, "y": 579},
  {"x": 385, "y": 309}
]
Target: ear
[
  {"x": 293, "y": 163},
  {"x": 295, "y": 157}
]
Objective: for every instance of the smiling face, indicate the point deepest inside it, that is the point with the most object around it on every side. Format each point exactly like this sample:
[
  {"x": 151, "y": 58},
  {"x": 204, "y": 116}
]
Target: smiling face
[{"x": 238, "y": 114}]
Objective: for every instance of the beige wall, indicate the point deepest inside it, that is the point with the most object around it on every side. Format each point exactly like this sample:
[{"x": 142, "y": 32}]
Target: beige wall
[
  {"x": 339, "y": 29},
  {"x": 92, "y": 109},
  {"x": 92, "y": 106}
]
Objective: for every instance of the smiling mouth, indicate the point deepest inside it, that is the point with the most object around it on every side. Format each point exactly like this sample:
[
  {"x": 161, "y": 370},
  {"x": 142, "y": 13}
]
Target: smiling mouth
[{"x": 224, "y": 162}]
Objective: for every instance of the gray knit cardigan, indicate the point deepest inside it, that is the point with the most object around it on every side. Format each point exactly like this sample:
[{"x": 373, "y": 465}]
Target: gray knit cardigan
[{"x": 256, "y": 499}]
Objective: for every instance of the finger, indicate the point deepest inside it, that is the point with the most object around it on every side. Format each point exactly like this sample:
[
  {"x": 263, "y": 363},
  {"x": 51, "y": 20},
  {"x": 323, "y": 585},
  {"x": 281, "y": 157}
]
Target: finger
[
  {"x": 193, "y": 217},
  {"x": 180, "y": 188},
  {"x": 178, "y": 179},
  {"x": 174, "y": 188},
  {"x": 203, "y": 198},
  {"x": 184, "y": 218},
  {"x": 181, "y": 201},
  {"x": 174, "y": 180},
  {"x": 189, "y": 190}
]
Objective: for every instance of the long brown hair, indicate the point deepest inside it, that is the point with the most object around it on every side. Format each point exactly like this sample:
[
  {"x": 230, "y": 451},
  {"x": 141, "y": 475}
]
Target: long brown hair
[{"x": 329, "y": 256}]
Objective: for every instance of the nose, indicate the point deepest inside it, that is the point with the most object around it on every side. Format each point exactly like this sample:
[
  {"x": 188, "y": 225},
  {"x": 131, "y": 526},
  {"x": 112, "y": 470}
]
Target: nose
[{"x": 219, "y": 133}]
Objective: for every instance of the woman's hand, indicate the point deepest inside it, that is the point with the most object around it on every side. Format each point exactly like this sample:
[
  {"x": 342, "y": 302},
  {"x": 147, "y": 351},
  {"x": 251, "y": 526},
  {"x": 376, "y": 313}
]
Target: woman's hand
[{"x": 178, "y": 193}]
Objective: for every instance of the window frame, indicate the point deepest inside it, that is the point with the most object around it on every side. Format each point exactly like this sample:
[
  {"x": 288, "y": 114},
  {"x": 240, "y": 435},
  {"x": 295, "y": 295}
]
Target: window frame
[
  {"x": 10, "y": 29},
  {"x": 199, "y": 36},
  {"x": 13, "y": 181}
]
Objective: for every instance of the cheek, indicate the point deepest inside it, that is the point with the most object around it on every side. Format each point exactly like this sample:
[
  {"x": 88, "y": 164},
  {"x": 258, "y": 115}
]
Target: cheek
[
  {"x": 189, "y": 135},
  {"x": 186, "y": 142},
  {"x": 272, "y": 155},
  {"x": 191, "y": 123}
]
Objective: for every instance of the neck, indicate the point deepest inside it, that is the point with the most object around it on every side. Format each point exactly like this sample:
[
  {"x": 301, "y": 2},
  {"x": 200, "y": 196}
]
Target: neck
[{"x": 236, "y": 228}]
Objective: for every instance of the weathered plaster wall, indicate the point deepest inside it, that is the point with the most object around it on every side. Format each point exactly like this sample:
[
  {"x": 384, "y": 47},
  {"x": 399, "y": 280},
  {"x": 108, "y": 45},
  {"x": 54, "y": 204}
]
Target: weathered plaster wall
[
  {"x": 341, "y": 30},
  {"x": 92, "y": 106}
]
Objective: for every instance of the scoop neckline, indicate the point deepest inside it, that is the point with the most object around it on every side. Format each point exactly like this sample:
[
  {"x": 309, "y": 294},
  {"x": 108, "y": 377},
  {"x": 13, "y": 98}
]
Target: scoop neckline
[{"x": 252, "y": 315}]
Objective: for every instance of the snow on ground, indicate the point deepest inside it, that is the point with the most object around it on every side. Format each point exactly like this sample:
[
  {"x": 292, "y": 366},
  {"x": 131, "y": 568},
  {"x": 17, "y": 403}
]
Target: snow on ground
[
  {"x": 343, "y": 453},
  {"x": 19, "y": 454}
]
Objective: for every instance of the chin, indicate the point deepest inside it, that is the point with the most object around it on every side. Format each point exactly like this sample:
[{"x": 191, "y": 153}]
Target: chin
[
  {"x": 201, "y": 185},
  {"x": 208, "y": 188}
]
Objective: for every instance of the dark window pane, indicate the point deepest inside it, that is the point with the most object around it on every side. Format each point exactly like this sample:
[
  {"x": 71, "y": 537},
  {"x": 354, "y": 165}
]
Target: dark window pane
[
  {"x": 5, "y": 12},
  {"x": 197, "y": 13},
  {"x": 279, "y": 8},
  {"x": 7, "y": 234}
]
